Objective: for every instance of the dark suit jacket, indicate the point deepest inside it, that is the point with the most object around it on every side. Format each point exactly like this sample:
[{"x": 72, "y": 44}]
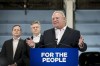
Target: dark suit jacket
[
  {"x": 27, "y": 53},
  {"x": 7, "y": 52},
  {"x": 70, "y": 38}
]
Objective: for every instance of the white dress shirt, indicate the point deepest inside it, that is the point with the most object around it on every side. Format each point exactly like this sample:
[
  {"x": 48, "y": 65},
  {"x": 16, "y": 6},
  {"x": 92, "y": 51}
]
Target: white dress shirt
[
  {"x": 59, "y": 33},
  {"x": 15, "y": 44},
  {"x": 36, "y": 39}
]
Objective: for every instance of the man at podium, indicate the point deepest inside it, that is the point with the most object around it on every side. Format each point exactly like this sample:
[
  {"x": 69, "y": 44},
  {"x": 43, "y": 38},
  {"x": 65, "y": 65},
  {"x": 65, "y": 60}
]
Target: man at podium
[{"x": 60, "y": 36}]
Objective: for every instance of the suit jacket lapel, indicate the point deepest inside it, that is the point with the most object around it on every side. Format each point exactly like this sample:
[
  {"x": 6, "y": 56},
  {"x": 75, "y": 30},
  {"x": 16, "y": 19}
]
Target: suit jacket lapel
[
  {"x": 11, "y": 49},
  {"x": 66, "y": 34},
  {"x": 54, "y": 36},
  {"x": 18, "y": 48}
]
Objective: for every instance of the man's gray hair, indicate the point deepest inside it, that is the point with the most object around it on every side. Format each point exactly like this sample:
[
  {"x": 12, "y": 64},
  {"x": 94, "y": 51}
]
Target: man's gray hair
[
  {"x": 35, "y": 22},
  {"x": 61, "y": 12}
]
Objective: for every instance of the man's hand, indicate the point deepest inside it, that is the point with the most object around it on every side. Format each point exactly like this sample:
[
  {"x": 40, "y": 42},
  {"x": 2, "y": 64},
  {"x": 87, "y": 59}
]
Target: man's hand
[
  {"x": 30, "y": 42},
  {"x": 81, "y": 42}
]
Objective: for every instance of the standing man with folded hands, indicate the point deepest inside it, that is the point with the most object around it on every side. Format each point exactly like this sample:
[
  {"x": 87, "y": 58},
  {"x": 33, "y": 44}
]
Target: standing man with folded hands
[{"x": 12, "y": 49}]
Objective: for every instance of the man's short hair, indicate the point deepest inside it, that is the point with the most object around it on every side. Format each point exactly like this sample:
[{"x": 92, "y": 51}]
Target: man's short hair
[
  {"x": 15, "y": 26},
  {"x": 59, "y": 11},
  {"x": 35, "y": 22}
]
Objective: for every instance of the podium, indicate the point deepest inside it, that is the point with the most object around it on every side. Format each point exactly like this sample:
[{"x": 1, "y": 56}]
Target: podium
[{"x": 54, "y": 56}]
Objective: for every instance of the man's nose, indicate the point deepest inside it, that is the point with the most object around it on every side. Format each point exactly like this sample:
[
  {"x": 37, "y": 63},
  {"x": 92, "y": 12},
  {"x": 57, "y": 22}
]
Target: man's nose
[
  {"x": 35, "y": 28},
  {"x": 55, "y": 20}
]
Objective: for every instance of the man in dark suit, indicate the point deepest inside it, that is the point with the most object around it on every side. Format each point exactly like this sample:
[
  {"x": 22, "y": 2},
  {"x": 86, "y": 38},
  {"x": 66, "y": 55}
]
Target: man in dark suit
[
  {"x": 61, "y": 36},
  {"x": 36, "y": 31},
  {"x": 12, "y": 49}
]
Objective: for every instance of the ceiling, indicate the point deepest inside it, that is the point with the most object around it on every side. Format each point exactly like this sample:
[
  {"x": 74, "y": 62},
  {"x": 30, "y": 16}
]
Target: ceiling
[
  {"x": 46, "y": 4},
  {"x": 32, "y": 4},
  {"x": 88, "y": 4}
]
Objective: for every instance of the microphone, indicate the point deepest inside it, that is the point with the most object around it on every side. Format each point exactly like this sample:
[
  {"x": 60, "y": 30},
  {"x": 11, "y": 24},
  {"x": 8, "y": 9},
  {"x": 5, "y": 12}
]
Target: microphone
[
  {"x": 56, "y": 39},
  {"x": 53, "y": 45}
]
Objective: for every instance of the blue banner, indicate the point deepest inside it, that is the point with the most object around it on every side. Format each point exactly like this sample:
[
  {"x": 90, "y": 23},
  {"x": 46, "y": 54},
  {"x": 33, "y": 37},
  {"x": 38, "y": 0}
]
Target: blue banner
[{"x": 53, "y": 56}]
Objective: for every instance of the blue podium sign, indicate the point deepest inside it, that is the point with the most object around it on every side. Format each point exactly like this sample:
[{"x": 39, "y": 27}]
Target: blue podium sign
[{"x": 53, "y": 56}]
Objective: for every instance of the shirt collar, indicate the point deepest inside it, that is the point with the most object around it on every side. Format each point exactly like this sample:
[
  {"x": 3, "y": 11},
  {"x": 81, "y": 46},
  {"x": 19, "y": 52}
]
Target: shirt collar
[
  {"x": 37, "y": 35},
  {"x": 62, "y": 28},
  {"x": 16, "y": 39}
]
